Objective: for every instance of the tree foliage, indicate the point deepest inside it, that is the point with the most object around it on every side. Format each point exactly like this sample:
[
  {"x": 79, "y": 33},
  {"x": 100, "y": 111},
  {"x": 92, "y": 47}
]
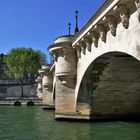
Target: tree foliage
[
  {"x": 23, "y": 60},
  {"x": 3, "y": 67}
]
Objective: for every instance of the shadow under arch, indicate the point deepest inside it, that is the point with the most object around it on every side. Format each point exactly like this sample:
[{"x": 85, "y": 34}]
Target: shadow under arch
[
  {"x": 90, "y": 62},
  {"x": 110, "y": 87},
  {"x": 30, "y": 103},
  {"x": 17, "y": 103}
]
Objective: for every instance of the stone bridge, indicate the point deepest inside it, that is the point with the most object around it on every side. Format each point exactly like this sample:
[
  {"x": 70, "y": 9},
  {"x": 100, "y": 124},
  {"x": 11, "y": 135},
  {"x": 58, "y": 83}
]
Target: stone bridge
[
  {"x": 18, "y": 101},
  {"x": 96, "y": 73}
]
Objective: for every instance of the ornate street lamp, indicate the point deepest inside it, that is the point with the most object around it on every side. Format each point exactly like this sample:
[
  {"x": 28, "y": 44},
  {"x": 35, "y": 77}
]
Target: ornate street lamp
[{"x": 76, "y": 17}]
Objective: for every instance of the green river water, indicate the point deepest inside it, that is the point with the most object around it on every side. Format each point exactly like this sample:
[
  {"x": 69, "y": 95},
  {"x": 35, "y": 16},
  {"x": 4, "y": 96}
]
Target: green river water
[{"x": 33, "y": 123}]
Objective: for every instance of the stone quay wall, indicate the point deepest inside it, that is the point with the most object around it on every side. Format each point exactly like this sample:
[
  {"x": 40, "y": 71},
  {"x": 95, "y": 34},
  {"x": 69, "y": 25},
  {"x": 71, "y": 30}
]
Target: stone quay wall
[{"x": 14, "y": 90}]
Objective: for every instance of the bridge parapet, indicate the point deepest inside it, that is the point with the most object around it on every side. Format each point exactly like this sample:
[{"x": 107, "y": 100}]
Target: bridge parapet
[{"x": 105, "y": 20}]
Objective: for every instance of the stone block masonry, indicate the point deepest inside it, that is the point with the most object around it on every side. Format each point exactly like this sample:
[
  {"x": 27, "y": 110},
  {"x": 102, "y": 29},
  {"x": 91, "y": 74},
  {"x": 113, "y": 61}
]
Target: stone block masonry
[
  {"x": 96, "y": 72},
  {"x": 14, "y": 90}
]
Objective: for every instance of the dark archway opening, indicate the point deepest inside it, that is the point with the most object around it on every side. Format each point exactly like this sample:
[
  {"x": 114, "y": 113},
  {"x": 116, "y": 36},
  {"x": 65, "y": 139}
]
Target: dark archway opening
[
  {"x": 17, "y": 103},
  {"x": 30, "y": 103},
  {"x": 110, "y": 88}
]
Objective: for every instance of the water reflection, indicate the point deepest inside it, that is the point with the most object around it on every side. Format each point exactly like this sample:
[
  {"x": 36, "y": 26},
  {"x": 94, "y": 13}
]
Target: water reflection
[{"x": 32, "y": 123}]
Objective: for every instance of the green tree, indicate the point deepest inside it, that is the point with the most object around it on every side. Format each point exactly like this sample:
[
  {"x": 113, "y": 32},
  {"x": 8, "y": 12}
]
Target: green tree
[
  {"x": 3, "y": 67},
  {"x": 21, "y": 61}
]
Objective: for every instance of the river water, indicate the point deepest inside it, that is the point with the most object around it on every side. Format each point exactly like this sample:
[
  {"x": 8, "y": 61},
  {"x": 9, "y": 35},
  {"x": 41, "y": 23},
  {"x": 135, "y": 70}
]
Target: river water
[{"x": 33, "y": 123}]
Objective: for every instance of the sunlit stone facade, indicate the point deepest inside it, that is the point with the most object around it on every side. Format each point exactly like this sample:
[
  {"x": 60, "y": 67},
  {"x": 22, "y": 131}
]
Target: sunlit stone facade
[{"x": 93, "y": 70}]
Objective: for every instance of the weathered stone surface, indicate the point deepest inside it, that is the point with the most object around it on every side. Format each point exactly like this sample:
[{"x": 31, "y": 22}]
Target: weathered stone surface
[
  {"x": 65, "y": 75},
  {"x": 97, "y": 70},
  {"x": 47, "y": 85},
  {"x": 113, "y": 89},
  {"x": 14, "y": 90},
  {"x": 126, "y": 40}
]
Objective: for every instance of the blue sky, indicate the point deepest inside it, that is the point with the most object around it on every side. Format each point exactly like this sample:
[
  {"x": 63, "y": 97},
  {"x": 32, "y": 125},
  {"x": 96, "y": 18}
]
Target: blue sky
[{"x": 36, "y": 23}]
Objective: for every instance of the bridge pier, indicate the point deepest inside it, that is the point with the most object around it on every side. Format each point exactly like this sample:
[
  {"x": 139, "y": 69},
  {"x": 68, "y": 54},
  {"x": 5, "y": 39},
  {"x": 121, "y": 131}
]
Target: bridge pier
[
  {"x": 47, "y": 87},
  {"x": 65, "y": 75}
]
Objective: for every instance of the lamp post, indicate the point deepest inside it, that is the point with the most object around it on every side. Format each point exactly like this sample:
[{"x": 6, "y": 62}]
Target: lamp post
[
  {"x": 76, "y": 17},
  {"x": 69, "y": 26}
]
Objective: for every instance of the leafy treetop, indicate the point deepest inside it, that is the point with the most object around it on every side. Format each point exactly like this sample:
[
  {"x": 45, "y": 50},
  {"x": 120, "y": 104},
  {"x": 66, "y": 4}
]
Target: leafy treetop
[{"x": 23, "y": 60}]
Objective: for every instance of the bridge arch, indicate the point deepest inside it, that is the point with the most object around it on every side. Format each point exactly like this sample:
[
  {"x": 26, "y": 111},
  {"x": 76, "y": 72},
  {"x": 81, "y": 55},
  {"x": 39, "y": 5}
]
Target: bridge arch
[
  {"x": 30, "y": 103},
  {"x": 110, "y": 85},
  {"x": 17, "y": 103},
  {"x": 127, "y": 41},
  {"x": 90, "y": 43},
  {"x": 85, "y": 62}
]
